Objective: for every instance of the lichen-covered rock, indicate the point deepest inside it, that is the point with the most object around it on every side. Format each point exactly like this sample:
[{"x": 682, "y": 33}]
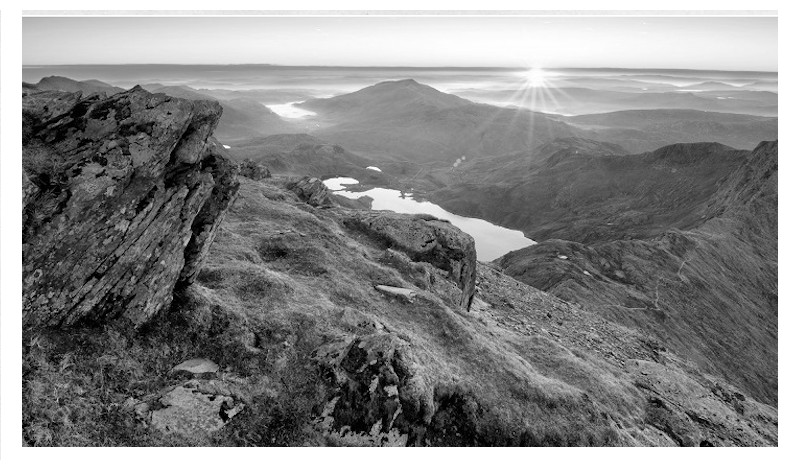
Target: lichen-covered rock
[
  {"x": 375, "y": 389},
  {"x": 312, "y": 191},
  {"x": 255, "y": 171},
  {"x": 427, "y": 239},
  {"x": 127, "y": 198}
]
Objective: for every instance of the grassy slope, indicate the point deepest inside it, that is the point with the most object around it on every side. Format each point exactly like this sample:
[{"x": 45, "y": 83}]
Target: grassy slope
[{"x": 283, "y": 279}]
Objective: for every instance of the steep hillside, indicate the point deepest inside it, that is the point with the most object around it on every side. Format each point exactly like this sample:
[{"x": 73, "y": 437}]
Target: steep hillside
[
  {"x": 288, "y": 317},
  {"x": 709, "y": 292}
]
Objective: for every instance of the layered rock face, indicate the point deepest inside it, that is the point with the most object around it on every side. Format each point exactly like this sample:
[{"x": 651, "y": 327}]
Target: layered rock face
[
  {"x": 427, "y": 239},
  {"x": 122, "y": 200}
]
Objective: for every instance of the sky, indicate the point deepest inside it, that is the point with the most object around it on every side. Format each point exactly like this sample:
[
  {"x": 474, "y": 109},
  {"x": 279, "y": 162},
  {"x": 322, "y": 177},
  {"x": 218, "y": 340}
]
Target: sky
[{"x": 718, "y": 43}]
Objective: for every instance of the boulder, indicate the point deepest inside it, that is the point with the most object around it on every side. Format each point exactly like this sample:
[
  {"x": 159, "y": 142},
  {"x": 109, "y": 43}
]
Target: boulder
[
  {"x": 312, "y": 191},
  {"x": 125, "y": 202},
  {"x": 426, "y": 239},
  {"x": 255, "y": 171}
]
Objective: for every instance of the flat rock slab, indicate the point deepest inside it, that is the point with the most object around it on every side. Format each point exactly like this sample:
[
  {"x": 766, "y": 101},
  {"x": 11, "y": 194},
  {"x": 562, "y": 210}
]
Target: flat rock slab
[
  {"x": 402, "y": 292},
  {"x": 193, "y": 409},
  {"x": 197, "y": 366}
]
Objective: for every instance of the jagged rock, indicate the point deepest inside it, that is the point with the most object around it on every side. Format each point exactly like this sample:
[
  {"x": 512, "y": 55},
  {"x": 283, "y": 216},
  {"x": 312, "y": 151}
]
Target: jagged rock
[
  {"x": 426, "y": 239},
  {"x": 311, "y": 190},
  {"x": 128, "y": 198},
  {"x": 195, "y": 408},
  {"x": 253, "y": 170}
]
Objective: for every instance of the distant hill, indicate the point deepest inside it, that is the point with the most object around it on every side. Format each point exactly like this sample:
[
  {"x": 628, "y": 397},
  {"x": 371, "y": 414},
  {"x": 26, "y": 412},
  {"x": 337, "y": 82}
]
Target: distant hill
[
  {"x": 645, "y": 130},
  {"x": 408, "y": 120},
  {"x": 56, "y": 83},
  {"x": 387, "y": 100}
]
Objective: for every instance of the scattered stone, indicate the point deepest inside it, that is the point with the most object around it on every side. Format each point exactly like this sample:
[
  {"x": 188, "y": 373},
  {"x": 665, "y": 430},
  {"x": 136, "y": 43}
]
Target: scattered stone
[
  {"x": 402, "y": 292},
  {"x": 197, "y": 366}
]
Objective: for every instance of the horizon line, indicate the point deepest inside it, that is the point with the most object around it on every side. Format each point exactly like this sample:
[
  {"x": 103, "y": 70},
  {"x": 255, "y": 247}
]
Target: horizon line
[{"x": 469, "y": 67}]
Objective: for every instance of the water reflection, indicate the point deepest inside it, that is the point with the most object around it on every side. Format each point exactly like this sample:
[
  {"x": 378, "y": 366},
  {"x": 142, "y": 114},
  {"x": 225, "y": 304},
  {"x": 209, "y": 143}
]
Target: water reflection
[{"x": 491, "y": 241}]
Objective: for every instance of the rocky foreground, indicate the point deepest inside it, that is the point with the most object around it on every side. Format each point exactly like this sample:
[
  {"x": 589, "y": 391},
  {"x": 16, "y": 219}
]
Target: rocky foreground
[{"x": 168, "y": 301}]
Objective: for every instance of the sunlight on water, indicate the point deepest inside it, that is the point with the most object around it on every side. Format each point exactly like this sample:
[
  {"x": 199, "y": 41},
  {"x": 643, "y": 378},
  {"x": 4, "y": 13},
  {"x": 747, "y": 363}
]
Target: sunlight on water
[
  {"x": 491, "y": 241},
  {"x": 290, "y": 110},
  {"x": 337, "y": 184}
]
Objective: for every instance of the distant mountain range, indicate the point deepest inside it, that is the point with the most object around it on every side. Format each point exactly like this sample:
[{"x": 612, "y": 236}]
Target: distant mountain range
[{"x": 406, "y": 121}]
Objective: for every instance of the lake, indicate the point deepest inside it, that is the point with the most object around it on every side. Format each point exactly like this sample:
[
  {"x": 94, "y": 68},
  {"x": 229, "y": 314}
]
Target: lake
[{"x": 491, "y": 241}]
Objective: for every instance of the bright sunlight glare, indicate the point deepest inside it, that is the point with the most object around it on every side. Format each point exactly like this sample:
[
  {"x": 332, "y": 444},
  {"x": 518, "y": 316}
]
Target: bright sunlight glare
[{"x": 535, "y": 77}]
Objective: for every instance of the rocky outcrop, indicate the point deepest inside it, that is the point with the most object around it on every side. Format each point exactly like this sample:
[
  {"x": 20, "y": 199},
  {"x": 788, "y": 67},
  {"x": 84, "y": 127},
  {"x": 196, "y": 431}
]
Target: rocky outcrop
[
  {"x": 311, "y": 190},
  {"x": 125, "y": 200},
  {"x": 424, "y": 239},
  {"x": 375, "y": 390}
]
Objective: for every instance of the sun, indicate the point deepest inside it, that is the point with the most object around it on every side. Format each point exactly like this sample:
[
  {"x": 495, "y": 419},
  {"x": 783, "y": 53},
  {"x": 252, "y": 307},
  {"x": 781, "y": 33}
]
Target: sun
[{"x": 535, "y": 77}]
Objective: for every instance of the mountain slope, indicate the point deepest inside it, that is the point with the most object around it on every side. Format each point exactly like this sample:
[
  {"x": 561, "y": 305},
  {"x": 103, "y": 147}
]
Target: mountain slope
[
  {"x": 286, "y": 305},
  {"x": 595, "y": 196},
  {"x": 709, "y": 292}
]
